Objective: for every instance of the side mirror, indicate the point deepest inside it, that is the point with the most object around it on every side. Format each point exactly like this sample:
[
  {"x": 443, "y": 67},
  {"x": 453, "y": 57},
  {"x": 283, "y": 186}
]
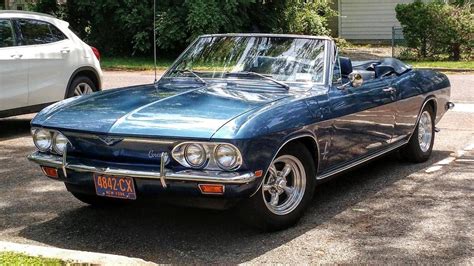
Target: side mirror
[{"x": 356, "y": 80}]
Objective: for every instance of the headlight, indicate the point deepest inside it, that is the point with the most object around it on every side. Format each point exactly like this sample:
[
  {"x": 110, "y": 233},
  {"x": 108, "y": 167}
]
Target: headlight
[
  {"x": 227, "y": 157},
  {"x": 42, "y": 139},
  {"x": 195, "y": 155},
  {"x": 208, "y": 155},
  {"x": 59, "y": 143}
]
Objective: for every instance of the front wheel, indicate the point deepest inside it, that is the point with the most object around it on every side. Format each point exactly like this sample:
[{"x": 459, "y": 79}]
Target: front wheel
[
  {"x": 420, "y": 146},
  {"x": 285, "y": 193}
]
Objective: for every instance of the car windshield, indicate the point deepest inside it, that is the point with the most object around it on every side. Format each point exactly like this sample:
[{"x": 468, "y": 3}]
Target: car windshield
[{"x": 276, "y": 60}]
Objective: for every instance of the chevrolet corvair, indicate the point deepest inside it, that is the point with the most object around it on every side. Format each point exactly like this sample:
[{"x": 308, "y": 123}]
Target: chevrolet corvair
[{"x": 254, "y": 121}]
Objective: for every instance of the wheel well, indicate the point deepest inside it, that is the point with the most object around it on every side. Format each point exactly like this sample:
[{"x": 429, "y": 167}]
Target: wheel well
[
  {"x": 89, "y": 74},
  {"x": 432, "y": 103},
  {"x": 310, "y": 143}
]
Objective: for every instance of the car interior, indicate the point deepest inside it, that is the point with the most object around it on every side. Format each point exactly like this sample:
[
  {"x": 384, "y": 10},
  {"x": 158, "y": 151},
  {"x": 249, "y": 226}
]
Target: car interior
[{"x": 374, "y": 68}]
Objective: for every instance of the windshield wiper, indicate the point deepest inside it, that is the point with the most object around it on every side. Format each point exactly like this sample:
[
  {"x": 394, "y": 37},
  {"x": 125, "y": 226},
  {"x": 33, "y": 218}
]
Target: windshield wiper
[
  {"x": 255, "y": 74},
  {"x": 182, "y": 71}
]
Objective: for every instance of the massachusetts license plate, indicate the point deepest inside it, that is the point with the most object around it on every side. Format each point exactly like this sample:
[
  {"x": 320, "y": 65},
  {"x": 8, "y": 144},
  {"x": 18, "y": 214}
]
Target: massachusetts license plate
[{"x": 114, "y": 187}]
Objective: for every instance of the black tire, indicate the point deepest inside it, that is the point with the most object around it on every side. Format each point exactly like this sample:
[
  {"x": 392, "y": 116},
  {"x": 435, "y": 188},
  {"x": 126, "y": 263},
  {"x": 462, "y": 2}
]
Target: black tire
[
  {"x": 412, "y": 151},
  {"x": 77, "y": 81},
  {"x": 98, "y": 201},
  {"x": 254, "y": 210}
]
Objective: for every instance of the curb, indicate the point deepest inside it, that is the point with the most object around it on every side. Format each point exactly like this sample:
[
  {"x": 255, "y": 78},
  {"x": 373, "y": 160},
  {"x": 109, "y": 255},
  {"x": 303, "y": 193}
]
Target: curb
[{"x": 73, "y": 256}]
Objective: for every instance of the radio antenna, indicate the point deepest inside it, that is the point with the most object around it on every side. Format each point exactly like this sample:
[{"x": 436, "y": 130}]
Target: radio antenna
[{"x": 154, "y": 39}]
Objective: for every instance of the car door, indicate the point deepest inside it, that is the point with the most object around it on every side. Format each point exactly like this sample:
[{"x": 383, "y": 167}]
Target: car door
[
  {"x": 363, "y": 120},
  {"x": 47, "y": 51},
  {"x": 13, "y": 70}
]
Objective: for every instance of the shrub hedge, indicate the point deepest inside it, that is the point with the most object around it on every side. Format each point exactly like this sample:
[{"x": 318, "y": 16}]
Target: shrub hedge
[{"x": 436, "y": 29}]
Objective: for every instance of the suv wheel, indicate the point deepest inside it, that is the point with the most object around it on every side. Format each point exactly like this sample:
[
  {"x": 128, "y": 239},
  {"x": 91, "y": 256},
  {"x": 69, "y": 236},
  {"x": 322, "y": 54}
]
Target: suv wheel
[{"x": 81, "y": 85}]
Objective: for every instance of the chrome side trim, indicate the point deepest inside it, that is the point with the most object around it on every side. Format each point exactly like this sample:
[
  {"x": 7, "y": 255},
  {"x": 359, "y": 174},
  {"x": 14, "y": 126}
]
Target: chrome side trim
[
  {"x": 361, "y": 161},
  {"x": 186, "y": 175}
]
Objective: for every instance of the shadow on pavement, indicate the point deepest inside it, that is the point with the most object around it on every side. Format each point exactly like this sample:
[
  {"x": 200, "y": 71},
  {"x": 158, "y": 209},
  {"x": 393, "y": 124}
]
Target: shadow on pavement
[
  {"x": 14, "y": 127},
  {"x": 165, "y": 234}
]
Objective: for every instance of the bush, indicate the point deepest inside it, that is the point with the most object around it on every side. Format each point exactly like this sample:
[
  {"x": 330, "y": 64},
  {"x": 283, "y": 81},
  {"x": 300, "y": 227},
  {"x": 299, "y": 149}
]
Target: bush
[{"x": 435, "y": 29}]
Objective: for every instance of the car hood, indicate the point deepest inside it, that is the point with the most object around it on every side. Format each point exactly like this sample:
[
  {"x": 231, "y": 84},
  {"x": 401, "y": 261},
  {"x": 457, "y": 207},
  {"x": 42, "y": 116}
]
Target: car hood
[{"x": 170, "y": 111}]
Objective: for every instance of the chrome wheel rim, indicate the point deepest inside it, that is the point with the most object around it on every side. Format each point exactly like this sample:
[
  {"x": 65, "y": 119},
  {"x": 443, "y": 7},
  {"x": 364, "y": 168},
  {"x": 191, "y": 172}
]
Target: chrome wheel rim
[
  {"x": 82, "y": 88},
  {"x": 425, "y": 131},
  {"x": 284, "y": 186}
]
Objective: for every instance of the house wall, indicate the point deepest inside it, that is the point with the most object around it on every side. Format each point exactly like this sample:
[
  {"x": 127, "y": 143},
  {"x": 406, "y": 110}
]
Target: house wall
[{"x": 368, "y": 19}]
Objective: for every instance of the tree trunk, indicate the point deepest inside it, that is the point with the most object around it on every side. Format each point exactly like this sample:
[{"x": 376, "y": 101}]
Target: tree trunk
[{"x": 456, "y": 52}]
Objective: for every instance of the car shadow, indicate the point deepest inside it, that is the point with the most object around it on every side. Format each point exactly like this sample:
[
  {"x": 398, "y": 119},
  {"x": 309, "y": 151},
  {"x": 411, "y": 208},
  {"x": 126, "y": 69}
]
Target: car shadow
[
  {"x": 14, "y": 127},
  {"x": 166, "y": 234}
]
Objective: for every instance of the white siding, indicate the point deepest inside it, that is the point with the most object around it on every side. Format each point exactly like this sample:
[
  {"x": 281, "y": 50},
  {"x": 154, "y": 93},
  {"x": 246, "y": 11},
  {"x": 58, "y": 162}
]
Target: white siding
[{"x": 368, "y": 19}]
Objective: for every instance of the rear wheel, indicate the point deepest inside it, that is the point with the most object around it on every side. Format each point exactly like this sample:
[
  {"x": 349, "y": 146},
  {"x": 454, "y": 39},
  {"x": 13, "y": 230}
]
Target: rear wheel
[
  {"x": 420, "y": 146},
  {"x": 286, "y": 191},
  {"x": 81, "y": 85}
]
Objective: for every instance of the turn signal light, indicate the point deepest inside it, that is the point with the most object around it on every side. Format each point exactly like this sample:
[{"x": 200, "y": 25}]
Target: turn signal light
[
  {"x": 211, "y": 189},
  {"x": 50, "y": 172},
  {"x": 259, "y": 173}
]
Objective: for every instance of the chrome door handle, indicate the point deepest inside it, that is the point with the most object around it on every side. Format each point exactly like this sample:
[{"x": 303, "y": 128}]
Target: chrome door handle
[
  {"x": 16, "y": 56},
  {"x": 65, "y": 51},
  {"x": 390, "y": 90}
]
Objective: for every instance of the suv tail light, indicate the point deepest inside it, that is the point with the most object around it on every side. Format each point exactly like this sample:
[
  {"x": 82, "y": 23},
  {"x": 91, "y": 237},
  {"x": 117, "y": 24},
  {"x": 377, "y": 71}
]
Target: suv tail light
[{"x": 96, "y": 52}]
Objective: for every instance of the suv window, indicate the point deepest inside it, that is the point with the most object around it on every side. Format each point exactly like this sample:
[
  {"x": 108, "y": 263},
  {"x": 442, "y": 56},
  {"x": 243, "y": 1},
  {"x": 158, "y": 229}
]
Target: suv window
[
  {"x": 7, "y": 38},
  {"x": 39, "y": 32}
]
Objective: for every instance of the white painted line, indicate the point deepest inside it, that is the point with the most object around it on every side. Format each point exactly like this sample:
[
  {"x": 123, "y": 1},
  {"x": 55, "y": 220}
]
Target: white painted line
[
  {"x": 71, "y": 255},
  {"x": 464, "y": 107},
  {"x": 465, "y": 160},
  {"x": 446, "y": 161},
  {"x": 434, "y": 168},
  {"x": 470, "y": 147}
]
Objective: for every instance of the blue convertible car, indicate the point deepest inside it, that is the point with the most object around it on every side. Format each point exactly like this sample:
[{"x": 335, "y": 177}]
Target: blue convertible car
[{"x": 254, "y": 121}]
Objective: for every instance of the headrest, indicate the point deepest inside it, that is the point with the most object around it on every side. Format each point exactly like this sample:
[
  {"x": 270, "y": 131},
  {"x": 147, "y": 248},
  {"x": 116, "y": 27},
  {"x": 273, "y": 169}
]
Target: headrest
[{"x": 346, "y": 65}]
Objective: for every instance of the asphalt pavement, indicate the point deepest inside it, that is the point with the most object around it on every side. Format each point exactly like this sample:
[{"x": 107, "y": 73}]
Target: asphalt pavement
[{"x": 386, "y": 211}]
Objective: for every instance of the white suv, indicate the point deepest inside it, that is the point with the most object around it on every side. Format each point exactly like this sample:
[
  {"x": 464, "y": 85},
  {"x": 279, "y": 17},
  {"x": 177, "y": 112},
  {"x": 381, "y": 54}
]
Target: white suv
[{"x": 41, "y": 62}]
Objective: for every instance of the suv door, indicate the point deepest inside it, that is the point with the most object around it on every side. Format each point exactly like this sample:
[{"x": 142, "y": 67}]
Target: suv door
[
  {"x": 13, "y": 70},
  {"x": 47, "y": 51}
]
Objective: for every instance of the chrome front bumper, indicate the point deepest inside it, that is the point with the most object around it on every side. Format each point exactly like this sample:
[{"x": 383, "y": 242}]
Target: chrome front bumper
[{"x": 163, "y": 175}]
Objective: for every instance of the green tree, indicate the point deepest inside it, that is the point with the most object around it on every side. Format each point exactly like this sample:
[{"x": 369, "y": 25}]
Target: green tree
[
  {"x": 125, "y": 27},
  {"x": 434, "y": 29}
]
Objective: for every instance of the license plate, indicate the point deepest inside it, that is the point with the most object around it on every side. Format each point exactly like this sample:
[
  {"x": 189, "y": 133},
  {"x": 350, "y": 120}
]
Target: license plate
[{"x": 114, "y": 187}]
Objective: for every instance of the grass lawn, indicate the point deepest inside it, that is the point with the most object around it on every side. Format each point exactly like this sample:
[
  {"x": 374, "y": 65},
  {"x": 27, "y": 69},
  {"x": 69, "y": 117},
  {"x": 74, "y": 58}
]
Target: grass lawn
[
  {"x": 11, "y": 258},
  {"x": 443, "y": 64},
  {"x": 133, "y": 63}
]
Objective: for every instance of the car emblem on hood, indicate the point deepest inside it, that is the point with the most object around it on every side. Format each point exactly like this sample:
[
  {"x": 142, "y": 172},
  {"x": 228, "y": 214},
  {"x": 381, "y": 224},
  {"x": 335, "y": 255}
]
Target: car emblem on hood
[{"x": 109, "y": 141}]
